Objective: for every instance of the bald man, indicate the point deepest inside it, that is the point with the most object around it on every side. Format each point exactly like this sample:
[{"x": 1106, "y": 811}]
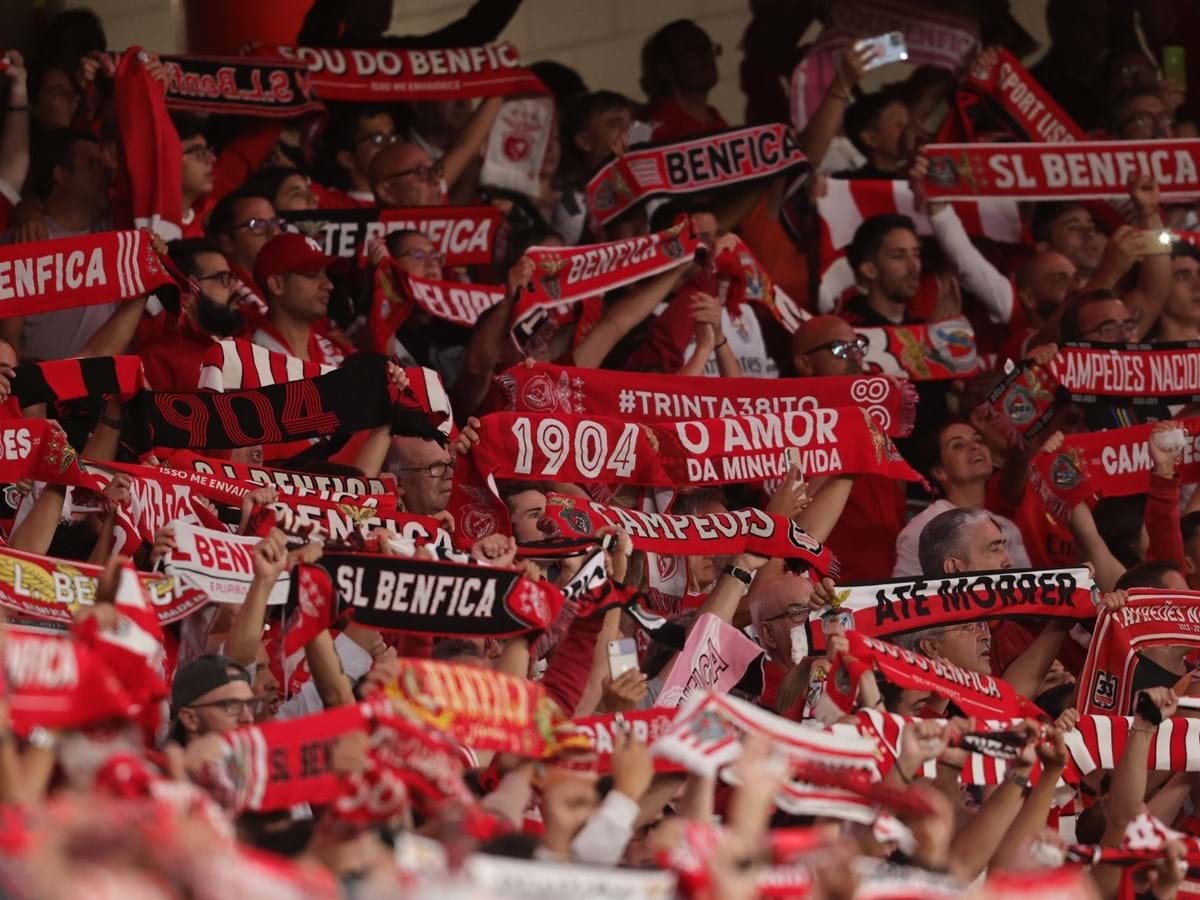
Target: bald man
[
  {"x": 1042, "y": 285},
  {"x": 864, "y": 538},
  {"x": 405, "y": 175},
  {"x": 827, "y": 345}
]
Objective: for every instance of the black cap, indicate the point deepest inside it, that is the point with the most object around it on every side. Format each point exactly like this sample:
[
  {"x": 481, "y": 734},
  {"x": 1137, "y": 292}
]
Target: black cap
[{"x": 203, "y": 674}]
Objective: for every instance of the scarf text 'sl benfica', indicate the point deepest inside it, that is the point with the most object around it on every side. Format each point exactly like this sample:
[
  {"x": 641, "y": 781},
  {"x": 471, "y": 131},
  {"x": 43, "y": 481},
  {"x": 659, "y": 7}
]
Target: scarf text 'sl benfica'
[
  {"x": 564, "y": 275},
  {"x": 386, "y": 76},
  {"x": 914, "y": 604},
  {"x": 423, "y": 597},
  {"x": 702, "y": 163},
  {"x": 44, "y": 276},
  {"x": 601, "y": 449},
  {"x": 1082, "y": 169},
  {"x": 1138, "y": 373},
  {"x": 671, "y": 398},
  {"x": 236, "y": 86}
]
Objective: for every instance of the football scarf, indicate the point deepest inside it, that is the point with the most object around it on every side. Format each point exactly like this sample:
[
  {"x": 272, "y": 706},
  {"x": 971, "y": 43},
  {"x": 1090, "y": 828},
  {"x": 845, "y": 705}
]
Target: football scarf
[
  {"x": 60, "y": 683},
  {"x": 938, "y": 351},
  {"x": 914, "y": 604},
  {"x": 398, "y": 295},
  {"x": 538, "y": 879},
  {"x": 1022, "y": 404},
  {"x": 277, "y": 765},
  {"x": 332, "y": 487},
  {"x": 1098, "y": 742},
  {"x": 70, "y": 272},
  {"x": 703, "y": 163},
  {"x": 1139, "y": 374},
  {"x": 654, "y": 398},
  {"x": 218, "y": 564},
  {"x": 1150, "y": 618},
  {"x": 740, "y": 531},
  {"x": 394, "y": 593},
  {"x": 343, "y": 524},
  {"x": 478, "y": 708},
  {"x": 743, "y": 279},
  {"x": 973, "y": 693},
  {"x": 1083, "y": 170},
  {"x": 566, "y": 275},
  {"x": 708, "y": 729},
  {"x": 53, "y": 590},
  {"x": 715, "y": 657},
  {"x": 73, "y": 379},
  {"x": 234, "y": 364},
  {"x": 699, "y": 452},
  {"x": 647, "y": 726},
  {"x": 392, "y": 76},
  {"x": 1062, "y": 479},
  {"x": 235, "y": 86},
  {"x": 465, "y": 235}
]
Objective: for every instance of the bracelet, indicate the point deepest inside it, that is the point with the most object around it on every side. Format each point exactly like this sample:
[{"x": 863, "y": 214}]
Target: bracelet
[
  {"x": 1149, "y": 730},
  {"x": 110, "y": 421},
  {"x": 720, "y": 345}
]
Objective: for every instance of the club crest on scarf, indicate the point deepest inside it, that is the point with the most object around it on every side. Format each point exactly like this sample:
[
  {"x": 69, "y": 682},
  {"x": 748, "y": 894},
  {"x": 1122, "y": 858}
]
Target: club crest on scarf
[
  {"x": 949, "y": 172},
  {"x": 953, "y": 345},
  {"x": 551, "y": 266}
]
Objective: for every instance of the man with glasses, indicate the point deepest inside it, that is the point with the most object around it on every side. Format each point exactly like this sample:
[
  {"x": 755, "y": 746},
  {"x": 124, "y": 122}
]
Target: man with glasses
[
  {"x": 241, "y": 224},
  {"x": 864, "y": 539},
  {"x": 1141, "y": 115},
  {"x": 212, "y": 695},
  {"x": 425, "y": 471},
  {"x": 356, "y": 135},
  {"x": 404, "y": 175}
]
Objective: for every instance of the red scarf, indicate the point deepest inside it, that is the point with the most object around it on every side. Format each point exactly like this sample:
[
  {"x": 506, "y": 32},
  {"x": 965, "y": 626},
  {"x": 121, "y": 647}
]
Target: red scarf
[
  {"x": 398, "y": 294},
  {"x": 1098, "y": 742},
  {"x": 566, "y": 275},
  {"x": 67, "y": 273},
  {"x": 342, "y": 488},
  {"x": 1022, "y": 404},
  {"x": 935, "y": 352},
  {"x": 230, "y": 86},
  {"x": 744, "y": 280},
  {"x": 390, "y": 76},
  {"x": 699, "y": 452},
  {"x": 1150, "y": 618},
  {"x": 647, "y": 724},
  {"x": 650, "y": 398},
  {"x": 973, "y": 693},
  {"x": 1168, "y": 372},
  {"x": 465, "y": 235},
  {"x": 1062, "y": 479},
  {"x": 150, "y": 171},
  {"x": 914, "y": 604},
  {"x": 72, "y": 379},
  {"x": 480, "y": 709},
  {"x": 715, "y": 160},
  {"x": 1085, "y": 169},
  {"x": 308, "y": 518},
  {"x": 218, "y": 565}
]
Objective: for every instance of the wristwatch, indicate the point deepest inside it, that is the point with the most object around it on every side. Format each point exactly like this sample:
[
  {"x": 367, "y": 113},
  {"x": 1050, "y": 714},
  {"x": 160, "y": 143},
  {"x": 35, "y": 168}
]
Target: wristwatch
[
  {"x": 1021, "y": 781},
  {"x": 739, "y": 573}
]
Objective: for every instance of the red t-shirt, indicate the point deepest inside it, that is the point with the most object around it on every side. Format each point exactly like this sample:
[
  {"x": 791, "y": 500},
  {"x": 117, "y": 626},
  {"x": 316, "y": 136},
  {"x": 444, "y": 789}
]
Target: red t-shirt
[
  {"x": 671, "y": 121},
  {"x": 173, "y": 360},
  {"x": 864, "y": 539},
  {"x": 567, "y": 673},
  {"x": 333, "y": 198},
  {"x": 1048, "y": 541}
]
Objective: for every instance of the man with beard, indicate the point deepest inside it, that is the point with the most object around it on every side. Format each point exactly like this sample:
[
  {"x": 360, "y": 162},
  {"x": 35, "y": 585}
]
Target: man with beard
[
  {"x": 885, "y": 255},
  {"x": 172, "y": 361}
]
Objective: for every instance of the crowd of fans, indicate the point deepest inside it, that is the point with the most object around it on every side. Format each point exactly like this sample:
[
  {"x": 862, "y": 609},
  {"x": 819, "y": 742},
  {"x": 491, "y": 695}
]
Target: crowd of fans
[{"x": 210, "y": 685}]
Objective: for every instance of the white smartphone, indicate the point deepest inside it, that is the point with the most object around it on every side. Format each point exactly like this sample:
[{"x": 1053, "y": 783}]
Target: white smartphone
[
  {"x": 622, "y": 656},
  {"x": 889, "y": 48}
]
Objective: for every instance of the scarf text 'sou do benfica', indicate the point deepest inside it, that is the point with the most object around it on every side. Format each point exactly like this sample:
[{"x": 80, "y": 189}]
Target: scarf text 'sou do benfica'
[
  {"x": 652, "y": 397},
  {"x": 1080, "y": 170},
  {"x": 67, "y": 273},
  {"x": 839, "y": 441},
  {"x": 716, "y": 160},
  {"x": 388, "y": 76}
]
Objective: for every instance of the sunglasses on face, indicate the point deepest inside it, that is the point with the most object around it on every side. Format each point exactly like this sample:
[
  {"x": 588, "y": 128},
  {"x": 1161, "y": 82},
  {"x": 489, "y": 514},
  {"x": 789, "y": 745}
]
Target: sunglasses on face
[{"x": 843, "y": 349}]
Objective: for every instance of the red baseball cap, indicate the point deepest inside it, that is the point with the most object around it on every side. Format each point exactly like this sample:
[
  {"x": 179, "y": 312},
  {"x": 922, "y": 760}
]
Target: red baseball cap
[{"x": 286, "y": 253}]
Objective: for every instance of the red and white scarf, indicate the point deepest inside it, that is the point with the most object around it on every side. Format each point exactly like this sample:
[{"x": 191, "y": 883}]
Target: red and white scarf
[
  {"x": 1084, "y": 169},
  {"x": 704, "y": 163},
  {"x": 234, "y": 364},
  {"x": 672, "y": 398},
  {"x": 938, "y": 351},
  {"x": 67, "y": 273},
  {"x": 1149, "y": 618},
  {"x": 390, "y": 76},
  {"x": 567, "y": 275},
  {"x": 397, "y": 295},
  {"x": 1165, "y": 372},
  {"x": 715, "y": 657},
  {"x": 218, "y": 564},
  {"x": 331, "y": 487}
]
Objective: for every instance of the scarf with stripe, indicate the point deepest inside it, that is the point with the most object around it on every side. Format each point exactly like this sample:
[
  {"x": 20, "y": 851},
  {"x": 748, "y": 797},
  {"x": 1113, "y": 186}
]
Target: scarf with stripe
[
  {"x": 398, "y": 295},
  {"x": 73, "y": 379},
  {"x": 1149, "y": 618},
  {"x": 653, "y": 398},
  {"x": 72, "y": 272}
]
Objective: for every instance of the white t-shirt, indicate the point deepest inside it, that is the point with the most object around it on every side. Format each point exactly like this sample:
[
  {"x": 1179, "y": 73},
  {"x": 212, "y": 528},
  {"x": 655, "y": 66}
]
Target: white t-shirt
[
  {"x": 909, "y": 538},
  {"x": 746, "y": 342}
]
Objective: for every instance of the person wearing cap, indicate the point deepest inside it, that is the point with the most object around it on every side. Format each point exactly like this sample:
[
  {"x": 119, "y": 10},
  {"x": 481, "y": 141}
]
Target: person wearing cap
[
  {"x": 211, "y": 695},
  {"x": 291, "y": 272}
]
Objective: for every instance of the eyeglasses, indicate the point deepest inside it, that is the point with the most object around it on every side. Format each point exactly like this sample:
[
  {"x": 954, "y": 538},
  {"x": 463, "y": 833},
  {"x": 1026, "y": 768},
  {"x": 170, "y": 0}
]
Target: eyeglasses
[
  {"x": 423, "y": 173},
  {"x": 379, "y": 139},
  {"x": 224, "y": 279},
  {"x": 260, "y": 226},
  {"x": 233, "y": 708},
  {"x": 843, "y": 349},
  {"x": 1145, "y": 119},
  {"x": 796, "y": 612},
  {"x": 422, "y": 256},
  {"x": 200, "y": 151},
  {"x": 1113, "y": 330},
  {"x": 434, "y": 470}
]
